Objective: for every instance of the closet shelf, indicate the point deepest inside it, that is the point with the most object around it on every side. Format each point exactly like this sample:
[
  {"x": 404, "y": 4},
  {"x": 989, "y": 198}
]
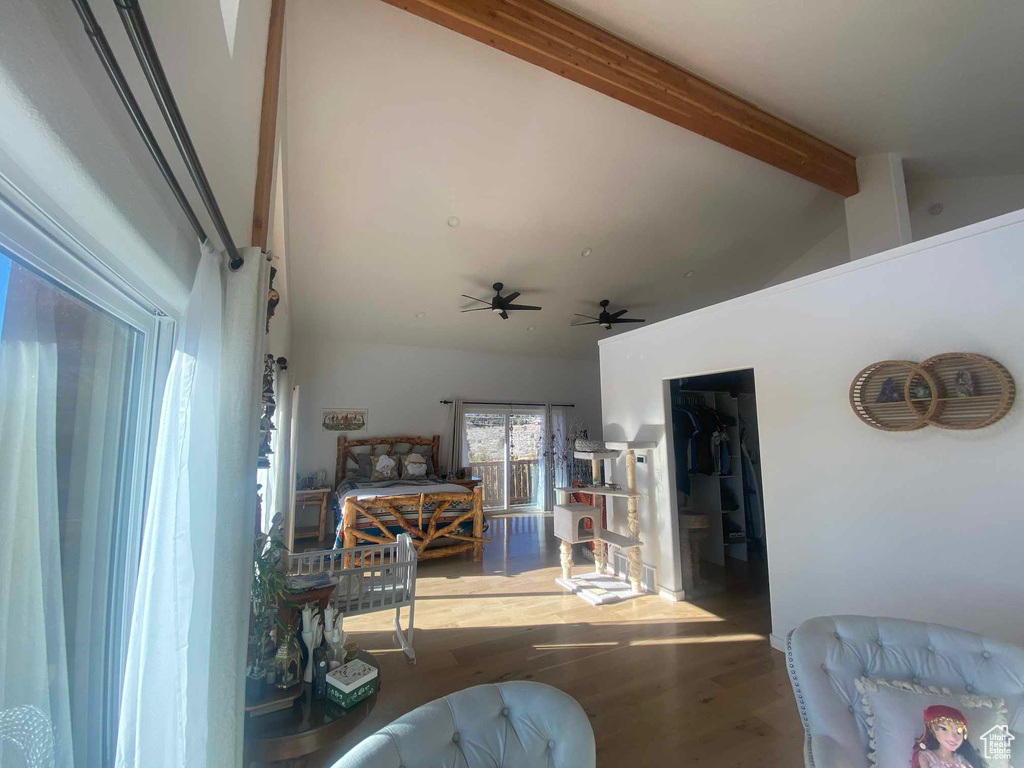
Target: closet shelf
[
  {"x": 596, "y": 454},
  {"x": 621, "y": 494}
]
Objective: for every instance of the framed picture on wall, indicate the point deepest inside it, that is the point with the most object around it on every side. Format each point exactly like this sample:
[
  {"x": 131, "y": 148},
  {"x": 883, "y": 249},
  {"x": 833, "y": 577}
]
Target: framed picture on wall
[{"x": 343, "y": 419}]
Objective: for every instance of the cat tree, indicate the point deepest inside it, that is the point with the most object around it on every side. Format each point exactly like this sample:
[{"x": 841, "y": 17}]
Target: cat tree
[{"x": 602, "y": 587}]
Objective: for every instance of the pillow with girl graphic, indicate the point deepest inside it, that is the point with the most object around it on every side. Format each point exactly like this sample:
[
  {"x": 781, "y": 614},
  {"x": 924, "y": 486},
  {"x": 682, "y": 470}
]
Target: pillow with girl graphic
[{"x": 931, "y": 727}]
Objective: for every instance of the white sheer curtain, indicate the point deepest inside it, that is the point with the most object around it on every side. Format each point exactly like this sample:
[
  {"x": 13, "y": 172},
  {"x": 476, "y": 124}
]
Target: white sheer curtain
[
  {"x": 33, "y": 662},
  {"x": 554, "y": 473},
  {"x": 280, "y": 461},
  {"x": 182, "y": 697},
  {"x": 454, "y": 448},
  {"x": 89, "y": 557}
]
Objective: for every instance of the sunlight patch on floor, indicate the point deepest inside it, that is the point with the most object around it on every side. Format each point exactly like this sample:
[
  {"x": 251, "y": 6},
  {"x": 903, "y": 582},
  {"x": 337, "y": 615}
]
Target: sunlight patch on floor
[{"x": 692, "y": 639}]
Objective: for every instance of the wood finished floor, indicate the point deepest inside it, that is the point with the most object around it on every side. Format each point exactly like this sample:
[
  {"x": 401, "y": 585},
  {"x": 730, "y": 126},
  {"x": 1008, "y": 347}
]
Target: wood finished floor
[{"x": 663, "y": 683}]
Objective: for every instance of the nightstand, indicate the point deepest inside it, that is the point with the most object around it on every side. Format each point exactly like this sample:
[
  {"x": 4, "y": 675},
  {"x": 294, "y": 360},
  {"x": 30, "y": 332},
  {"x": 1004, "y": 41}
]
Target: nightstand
[
  {"x": 466, "y": 482},
  {"x": 321, "y": 498}
]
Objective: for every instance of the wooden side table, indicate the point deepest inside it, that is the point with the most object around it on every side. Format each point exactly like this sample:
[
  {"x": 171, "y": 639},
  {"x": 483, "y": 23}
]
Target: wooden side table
[
  {"x": 321, "y": 497},
  {"x": 466, "y": 482}
]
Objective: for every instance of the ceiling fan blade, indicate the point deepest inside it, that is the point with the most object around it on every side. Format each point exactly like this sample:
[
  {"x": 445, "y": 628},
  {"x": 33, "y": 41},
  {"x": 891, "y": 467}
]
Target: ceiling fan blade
[
  {"x": 589, "y": 317},
  {"x": 590, "y": 322},
  {"x": 477, "y": 309},
  {"x": 475, "y": 299},
  {"x": 511, "y": 297},
  {"x": 628, "y": 320},
  {"x": 620, "y": 313},
  {"x": 504, "y": 314},
  {"x": 520, "y": 306}
]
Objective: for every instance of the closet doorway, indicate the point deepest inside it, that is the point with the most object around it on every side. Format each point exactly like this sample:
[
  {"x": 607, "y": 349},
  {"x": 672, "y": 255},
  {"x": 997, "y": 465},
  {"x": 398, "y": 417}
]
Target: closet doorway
[{"x": 718, "y": 484}]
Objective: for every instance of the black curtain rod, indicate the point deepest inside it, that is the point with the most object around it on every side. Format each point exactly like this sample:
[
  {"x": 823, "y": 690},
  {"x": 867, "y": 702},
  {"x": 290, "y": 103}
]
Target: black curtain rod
[
  {"x": 102, "y": 47},
  {"x": 135, "y": 25},
  {"x": 510, "y": 405}
]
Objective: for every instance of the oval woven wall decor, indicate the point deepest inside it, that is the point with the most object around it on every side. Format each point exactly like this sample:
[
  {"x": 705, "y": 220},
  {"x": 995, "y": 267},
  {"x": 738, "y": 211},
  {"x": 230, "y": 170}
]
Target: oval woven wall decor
[
  {"x": 973, "y": 391},
  {"x": 894, "y": 395}
]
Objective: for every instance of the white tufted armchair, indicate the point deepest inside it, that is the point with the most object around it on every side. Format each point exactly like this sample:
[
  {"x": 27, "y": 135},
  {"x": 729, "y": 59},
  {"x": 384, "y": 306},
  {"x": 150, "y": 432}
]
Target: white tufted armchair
[
  {"x": 508, "y": 725},
  {"x": 826, "y": 654}
]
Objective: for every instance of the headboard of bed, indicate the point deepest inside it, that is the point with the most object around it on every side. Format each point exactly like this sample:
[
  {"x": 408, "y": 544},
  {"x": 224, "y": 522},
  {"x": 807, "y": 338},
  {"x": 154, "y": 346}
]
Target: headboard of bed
[{"x": 378, "y": 446}]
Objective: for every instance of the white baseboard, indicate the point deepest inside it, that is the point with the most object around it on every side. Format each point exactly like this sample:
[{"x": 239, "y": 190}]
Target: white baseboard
[
  {"x": 672, "y": 595},
  {"x": 778, "y": 643}
]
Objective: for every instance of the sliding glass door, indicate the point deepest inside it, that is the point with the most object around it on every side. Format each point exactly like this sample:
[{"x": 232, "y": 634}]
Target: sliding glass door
[
  {"x": 485, "y": 435},
  {"x": 506, "y": 450},
  {"x": 526, "y": 449}
]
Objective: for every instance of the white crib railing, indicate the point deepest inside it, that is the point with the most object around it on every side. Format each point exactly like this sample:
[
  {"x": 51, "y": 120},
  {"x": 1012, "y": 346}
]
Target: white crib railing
[{"x": 378, "y": 577}]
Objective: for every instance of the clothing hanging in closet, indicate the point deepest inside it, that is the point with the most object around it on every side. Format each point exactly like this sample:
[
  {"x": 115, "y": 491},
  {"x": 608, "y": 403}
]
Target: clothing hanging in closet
[
  {"x": 752, "y": 504},
  {"x": 701, "y": 443}
]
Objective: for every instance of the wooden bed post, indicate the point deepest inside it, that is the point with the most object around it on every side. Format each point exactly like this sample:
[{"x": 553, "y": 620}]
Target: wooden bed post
[
  {"x": 478, "y": 523},
  {"x": 348, "y": 524},
  {"x": 435, "y": 453}
]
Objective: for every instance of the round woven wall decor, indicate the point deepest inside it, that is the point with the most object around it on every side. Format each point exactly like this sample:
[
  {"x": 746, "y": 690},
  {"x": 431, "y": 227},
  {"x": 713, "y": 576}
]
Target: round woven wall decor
[
  {"x": 972, "y": 391},
  {"x": 894, "y": 395}
]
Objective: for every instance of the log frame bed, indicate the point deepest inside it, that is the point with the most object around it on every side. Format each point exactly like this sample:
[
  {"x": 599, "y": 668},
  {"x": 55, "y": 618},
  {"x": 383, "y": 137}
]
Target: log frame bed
[{"x": 427, "y": 507}]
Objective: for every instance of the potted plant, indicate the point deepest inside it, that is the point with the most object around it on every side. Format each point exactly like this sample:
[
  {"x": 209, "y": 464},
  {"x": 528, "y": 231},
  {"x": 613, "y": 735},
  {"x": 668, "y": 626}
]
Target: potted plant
[{"x": 268, "y": 581}]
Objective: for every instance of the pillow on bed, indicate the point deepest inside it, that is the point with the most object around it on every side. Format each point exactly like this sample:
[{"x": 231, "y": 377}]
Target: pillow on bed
[
  {"x": 414, "y": 467},
  {"x": 365, "y": 469},
  {"x": 384, "y": 468}
]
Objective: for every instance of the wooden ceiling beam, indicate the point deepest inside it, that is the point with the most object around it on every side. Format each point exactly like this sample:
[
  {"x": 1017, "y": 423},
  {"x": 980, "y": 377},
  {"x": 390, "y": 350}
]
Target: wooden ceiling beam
[
  {"x": 268, "y": 127},
  {"x": 549, "y": 37}
]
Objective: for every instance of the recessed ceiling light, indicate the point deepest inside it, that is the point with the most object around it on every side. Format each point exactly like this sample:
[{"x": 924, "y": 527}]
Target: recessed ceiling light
[
  {"x": 531, "y": 327},
  {"x": 421, "y": 315},
  {"x": 453, "y": 221},
  {"x": 689, "y": 274},
  {"x": 586, "y": 252},
  {"x": 935, "y": 209}
]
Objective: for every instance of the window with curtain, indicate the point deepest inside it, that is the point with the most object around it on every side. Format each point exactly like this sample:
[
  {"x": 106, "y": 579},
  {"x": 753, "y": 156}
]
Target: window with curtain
[{"x": 74, "y": 426}]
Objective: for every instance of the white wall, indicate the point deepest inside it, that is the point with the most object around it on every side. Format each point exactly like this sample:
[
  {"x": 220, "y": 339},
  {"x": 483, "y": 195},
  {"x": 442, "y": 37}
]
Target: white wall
[
  {"x": 964, "y": 201},
  {"x": 923, "y": 525},
  {"x": 877, "y": 217},
  {"x": 69, "y": 145},
  {"x": 401, "y": 387},
  {"x": 830, "y": 252}
]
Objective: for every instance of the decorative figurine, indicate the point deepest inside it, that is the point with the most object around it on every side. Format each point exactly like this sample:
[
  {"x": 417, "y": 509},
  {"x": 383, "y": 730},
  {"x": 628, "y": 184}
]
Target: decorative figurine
[
  {"x": 312, "y": 636},
  {"x": 920, "y": 390},
  {"x": 964, "y": 384},
  {"x": 890, "y": 393}
]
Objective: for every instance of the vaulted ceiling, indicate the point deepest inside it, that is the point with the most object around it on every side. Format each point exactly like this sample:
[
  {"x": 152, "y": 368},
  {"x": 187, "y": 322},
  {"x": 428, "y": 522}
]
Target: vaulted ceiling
[
  {"x": 937, "y": 81},
  {"x": 393, "y": 125}
]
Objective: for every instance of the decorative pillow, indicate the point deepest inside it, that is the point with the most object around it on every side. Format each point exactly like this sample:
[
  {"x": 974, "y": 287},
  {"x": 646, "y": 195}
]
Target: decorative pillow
[
  {"x": 414, "y": 467},
  {"x": 384, "y": 468},
  {"x": 365, "y": 469},
  {"x": 915, "y": 725}
]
